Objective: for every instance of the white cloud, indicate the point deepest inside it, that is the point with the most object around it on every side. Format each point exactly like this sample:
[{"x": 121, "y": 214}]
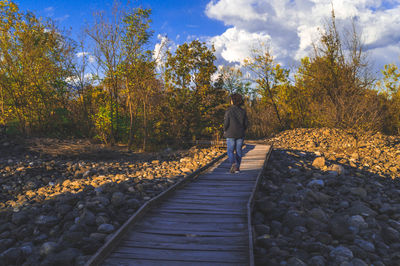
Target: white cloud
[
  {"x": 292, "y": 25},
  {"x": 49, "y": 11},
  {"x": 235, "y": 44},
  {"x": 90, "y": 57}
]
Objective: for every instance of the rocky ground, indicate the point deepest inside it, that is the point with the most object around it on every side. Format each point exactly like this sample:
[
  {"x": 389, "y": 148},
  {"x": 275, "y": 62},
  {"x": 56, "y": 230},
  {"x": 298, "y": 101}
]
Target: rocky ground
[
  {"x": 329, "y": 197},
  {"x": 60, "y": 200}
]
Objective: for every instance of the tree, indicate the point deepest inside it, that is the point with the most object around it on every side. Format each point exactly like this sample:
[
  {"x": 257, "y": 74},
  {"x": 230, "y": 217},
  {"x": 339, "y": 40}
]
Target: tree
[
  {"x": 189, "y": 88},
  {"x": 233, "y": 81},
  {"x": 33, "y": 69},
  {"x": 336, "y": 82},
  {"x": 137, "y": 68},
  {"x": 390, "y": 85},
  {"x": 107, "y": 32},
  {"x": 270, "y": 77}
]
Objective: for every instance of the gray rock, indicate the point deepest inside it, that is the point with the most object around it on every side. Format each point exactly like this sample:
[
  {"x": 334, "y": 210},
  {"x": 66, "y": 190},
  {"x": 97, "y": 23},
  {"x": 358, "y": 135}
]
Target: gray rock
[
  {"x": 117, "y": 198},
  {"x": 133, "y": 203},
  {"x": 6, "y": 243},
  {"x": 318, "y": 214},
  {"x": 360, "y": 208},
  {"x": 358, "y": 262},
  {"x": 390, "y": 235},
  {"x": 47, "y": 248},
  {"x": 367, "y": 246},
  {"x": 296, "y": 262},
  {"x": 65, "y": 257},
  {"x": 341, "y": 254},
  {"x": 87, "y": 218},
  {"x": 359, "y": 191},
  {"x": 20, "y": 217},
  {"x": 46, "y": 220},
  {"x": 27, "y": 249},
  {"x": 12, "y": 256},
  {"x": 262, "y": 229},
  {"x": 317, "y": 261},
  {"x": 293, "y": 218},
  {"x": 316, "y": 183},
  {"x": 339, "y": 226},
  {"x": 105, "y": 228},
  {"x": 358, "y": 222},
  {"x": 98, "y": 236}
]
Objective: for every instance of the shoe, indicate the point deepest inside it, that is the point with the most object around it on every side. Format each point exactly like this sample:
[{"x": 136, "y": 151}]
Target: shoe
[
  {"x": 237, "y": 171},
  {"x": 233, "y": 169}
]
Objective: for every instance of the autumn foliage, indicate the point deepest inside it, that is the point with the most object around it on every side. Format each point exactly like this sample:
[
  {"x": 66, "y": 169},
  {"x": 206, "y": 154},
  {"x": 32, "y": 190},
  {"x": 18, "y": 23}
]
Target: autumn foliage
[{"x": 111, "y": 86}]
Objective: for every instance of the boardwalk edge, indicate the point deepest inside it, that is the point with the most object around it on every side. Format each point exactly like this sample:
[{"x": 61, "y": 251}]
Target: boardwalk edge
[{"x": 250, "y": 205}]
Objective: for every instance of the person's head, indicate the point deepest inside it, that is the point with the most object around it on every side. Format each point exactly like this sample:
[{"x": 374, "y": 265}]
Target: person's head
[{"x": 236, "y": 99}]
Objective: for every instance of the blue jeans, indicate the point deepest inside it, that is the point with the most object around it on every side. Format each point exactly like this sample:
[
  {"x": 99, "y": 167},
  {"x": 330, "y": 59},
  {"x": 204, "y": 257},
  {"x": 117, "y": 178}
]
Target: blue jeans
[{"x": 232, "y": 145}]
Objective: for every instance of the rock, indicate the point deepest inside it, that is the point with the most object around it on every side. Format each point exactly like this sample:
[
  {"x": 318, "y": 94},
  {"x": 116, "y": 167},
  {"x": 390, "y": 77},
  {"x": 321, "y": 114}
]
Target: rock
[
  {"x": 358, "y": 191},
  {"x": 262, "y": 229},
  {"x": 133, "y": 203},
  {"x": 319, "y": 162},
  {"x": 12, "y": 256},
  {"x": 337, "y": 168},
  {"x": 365, "y": 245},
  {"x": 293, "y": 219},
  {"x": 6, "y": 243},
  {"x": 358, "y": 262},
  {"x": 317, "y": 261},
  {"x": 358, "y": 222},
  {"x": 20, "y": 217},
  {"x": 316, "y": 183},
  {"x": 339, "y": 226},
  {"x": 105, "y": 228},
  {"x": 318, "y": 214},
  {"x": 341, "y": 254},
  {"x": 87, "y": 218},
  {"x": 47, "y": 248},
  {"x": 65, "y": 257},
  {"x": 390, "y": 235},
  {"x": 46, "y": 220},
  {"x": 296, "y": 262},
  {"x": 117, "y": 198},
  {"x": 360, "y": 208}
]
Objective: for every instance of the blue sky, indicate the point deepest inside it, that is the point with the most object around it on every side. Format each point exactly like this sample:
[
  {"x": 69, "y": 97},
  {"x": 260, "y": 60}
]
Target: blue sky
[
  {"x": 179, "y": 20},
  {"x": 236, "y": 26}
]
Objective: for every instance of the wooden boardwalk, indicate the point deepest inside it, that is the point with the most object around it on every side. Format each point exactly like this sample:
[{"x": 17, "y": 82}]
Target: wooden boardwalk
[{"x": 204, "y": 223}]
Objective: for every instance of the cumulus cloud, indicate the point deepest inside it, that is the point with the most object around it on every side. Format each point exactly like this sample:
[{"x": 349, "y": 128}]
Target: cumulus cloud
[
  {"x": 90, "y": 57},
  {"x": 292, "y": 25},
  {"x": 235, "y": 44}
]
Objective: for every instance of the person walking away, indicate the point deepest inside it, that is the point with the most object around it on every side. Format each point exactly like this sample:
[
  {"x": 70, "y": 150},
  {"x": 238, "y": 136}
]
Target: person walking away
[{"x": 235, "y": 125}]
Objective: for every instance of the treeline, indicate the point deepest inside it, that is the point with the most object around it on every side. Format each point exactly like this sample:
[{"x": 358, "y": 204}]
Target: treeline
[{"x": 111, "y": 86}]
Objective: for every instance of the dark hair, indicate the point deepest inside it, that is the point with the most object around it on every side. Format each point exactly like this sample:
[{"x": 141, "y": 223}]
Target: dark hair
[{"x": 237, "y": 99}]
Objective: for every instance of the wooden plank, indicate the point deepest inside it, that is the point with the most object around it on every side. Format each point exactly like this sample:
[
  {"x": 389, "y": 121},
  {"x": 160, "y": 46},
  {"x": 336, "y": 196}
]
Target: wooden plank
[
  {"x": 204, "y": 212},
  {"x": 187, "y": 239},
  {"x": 199, "y": 217},
  {"x": 194, "y": 226},
  {"x": 154, "y": 262},
  {"x": 218, "y": 183},
  {"x": 224, "y": 202},
  {"x": 215, "y": 193},
  {"x": 181, "y": 255},
  {"x": 204, "y": 206},
  {"x": 183, "y": 246},
  {"x": 185, "y": 232}
]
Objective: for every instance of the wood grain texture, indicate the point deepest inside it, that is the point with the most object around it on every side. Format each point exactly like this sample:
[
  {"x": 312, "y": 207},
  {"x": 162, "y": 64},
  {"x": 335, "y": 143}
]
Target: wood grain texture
[{"x": 203, "y": 223}]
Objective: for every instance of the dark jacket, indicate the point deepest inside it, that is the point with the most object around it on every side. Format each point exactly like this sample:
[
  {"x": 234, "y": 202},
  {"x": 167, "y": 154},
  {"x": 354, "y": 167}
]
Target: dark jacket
[{"x": 235, "y": 122}]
